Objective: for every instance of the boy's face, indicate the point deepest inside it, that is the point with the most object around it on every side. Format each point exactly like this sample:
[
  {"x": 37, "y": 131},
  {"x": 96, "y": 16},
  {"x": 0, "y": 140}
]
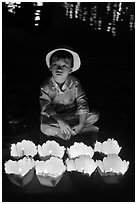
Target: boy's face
[{"x": 60, "y": 69}]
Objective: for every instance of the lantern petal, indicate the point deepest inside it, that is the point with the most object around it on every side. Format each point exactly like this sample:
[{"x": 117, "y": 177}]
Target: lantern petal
[
  {"x": 110, "y": 146},
  {"x": 97, "y": 147},
  {"x": 19, "y": 167},
  {"x": 85, "y": 164},
  {"x": 113, "y": 163},
  {"x": 53, "y": 167},
  {"x": 100, "y": 165},
  {"x": 78, "y": 149},
  {"x": 51, "y": 148},
  {"x": 11, "y": 167},
  {"x": 40, "y": 150},
  {"x": 124, "y": 167},
  {"x": 25, "y": 147},
  {"x": 13, "y": 150},
  {"x": 70, "y": 165}
]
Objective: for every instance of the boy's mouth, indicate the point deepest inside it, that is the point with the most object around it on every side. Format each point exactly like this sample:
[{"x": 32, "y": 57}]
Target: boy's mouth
[{"x": 59, "y": 72}]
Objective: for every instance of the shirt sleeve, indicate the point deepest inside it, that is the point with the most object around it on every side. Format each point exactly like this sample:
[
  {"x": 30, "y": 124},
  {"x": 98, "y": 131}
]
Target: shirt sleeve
[
  {"x": 46, "y": 102},
  {"x": 81, "y": 99}
]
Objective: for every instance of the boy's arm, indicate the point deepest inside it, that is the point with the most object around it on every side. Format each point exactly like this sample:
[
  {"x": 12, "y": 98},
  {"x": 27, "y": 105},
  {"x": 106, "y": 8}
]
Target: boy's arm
[
  {"x": 82, "y": 118},
  {"x": 64, "y": 127},
  {"x": 45, "y": 102},
  {"x": 82, "y": 104},
  {"x": 48, "y": 110},
  {"x": 82, "y": 108}
]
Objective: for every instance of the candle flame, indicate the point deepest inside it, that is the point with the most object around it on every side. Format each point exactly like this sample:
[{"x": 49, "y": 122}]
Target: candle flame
[
  {"x": 50, "y": 151},
  {"x": 22, "y": 151},
  {"x": 45, "y": 171},
  {"x": 20, "y": 170}
]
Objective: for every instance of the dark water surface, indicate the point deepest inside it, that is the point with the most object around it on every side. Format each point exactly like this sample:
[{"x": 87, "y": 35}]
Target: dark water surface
[{"x": 106, "y": 74}]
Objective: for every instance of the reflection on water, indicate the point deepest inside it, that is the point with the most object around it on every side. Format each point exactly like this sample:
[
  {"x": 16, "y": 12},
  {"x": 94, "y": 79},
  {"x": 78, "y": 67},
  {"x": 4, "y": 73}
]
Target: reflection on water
[
  {"x": 37, "y": 17},
  {"x": 108, "y": 16},
  {"x": 12, "y": 6}
]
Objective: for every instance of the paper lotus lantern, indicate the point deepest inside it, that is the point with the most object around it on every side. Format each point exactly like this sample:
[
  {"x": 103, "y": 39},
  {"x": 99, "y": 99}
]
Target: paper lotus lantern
[
  {"x": 50, "y": 172},
  {"x": 79, "y": 149},
  {"x": 110, "y": 146},
  {"x": 20, "y": 172},
  {"x": 50, "y": 148},
  {"x": 112, "y": 168},
  {"x": 24, "y": 148},
  {"x": 83, "y": 164}
]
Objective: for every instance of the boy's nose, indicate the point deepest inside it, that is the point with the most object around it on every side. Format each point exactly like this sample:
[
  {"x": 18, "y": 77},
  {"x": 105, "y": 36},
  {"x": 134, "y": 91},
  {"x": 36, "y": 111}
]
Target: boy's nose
[{"x": 59, "y": 68}]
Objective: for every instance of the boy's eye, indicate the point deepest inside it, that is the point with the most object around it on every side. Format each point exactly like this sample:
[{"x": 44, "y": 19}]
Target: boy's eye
[
  {"x": 56, "y": 66},
  {"x": 65, "y": 66},
  {"x": 53, "y": 65}
]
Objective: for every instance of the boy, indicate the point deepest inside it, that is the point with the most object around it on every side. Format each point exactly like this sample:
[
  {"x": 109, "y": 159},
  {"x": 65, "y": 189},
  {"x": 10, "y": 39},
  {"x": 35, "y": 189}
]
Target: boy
[{"x": 64, "y": 108}]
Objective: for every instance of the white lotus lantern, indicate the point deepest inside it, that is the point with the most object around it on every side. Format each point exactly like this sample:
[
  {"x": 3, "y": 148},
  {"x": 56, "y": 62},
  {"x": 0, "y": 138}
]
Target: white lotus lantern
[
  {"x": 50, "y": 172},
  {"x": 50, "y": 148},
  {"x": 110, "y": 146},
  {"x": 112, "y": 168},
  {"x": 83, "y": 164},
  {"x": 70, "y": 163},
  {"x": 78, "y": 149},
  {"x": 20, "y": 172},
  {"x": 23, "y": 148}
]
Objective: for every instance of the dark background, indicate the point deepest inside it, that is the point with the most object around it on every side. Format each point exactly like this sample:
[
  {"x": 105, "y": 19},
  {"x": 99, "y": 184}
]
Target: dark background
[{"x": 107, "y": 74}]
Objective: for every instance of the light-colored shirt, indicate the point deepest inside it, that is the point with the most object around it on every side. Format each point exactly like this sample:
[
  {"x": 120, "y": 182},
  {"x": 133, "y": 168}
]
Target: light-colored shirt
[{"x": 70, "y": 98}]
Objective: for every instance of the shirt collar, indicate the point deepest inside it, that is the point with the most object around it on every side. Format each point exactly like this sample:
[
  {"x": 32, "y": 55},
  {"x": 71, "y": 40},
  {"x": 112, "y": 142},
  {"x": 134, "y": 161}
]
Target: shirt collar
[{"x": 57, "y": 86}]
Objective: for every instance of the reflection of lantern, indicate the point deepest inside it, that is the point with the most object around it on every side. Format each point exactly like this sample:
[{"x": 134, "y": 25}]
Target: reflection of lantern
[
  {"x": 107, "y": 147},
  {"x": 20, "y": 172},
  {"x": 51, "y": 148},
  {"x": 50, "y": 172},
  {"x": 79, "y": 149},
  {"x": 112, "y": 168},
  {"x": 80, "y": 170},
  {"x": 24, "y": 148},
  {"x": 83, "y": 164}
]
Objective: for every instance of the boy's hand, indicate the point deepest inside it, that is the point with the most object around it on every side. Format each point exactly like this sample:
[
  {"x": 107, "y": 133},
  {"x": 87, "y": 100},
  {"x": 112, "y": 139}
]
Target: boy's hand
[
  {"x": 77, "y": 128},
  {"x": 65, "y": 129}
]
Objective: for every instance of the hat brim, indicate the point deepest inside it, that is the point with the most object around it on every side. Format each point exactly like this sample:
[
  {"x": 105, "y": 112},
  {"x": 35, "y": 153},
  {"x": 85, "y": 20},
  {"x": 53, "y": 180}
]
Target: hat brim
[{"x": 76, "y": 58}]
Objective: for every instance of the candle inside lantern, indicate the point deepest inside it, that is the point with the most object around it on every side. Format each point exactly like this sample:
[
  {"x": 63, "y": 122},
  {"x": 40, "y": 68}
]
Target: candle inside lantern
[
  {"x": 21, "y": 166},
  {"x": 83, "y": 164},
  {"x": 25, "y": 147},
  {"x": 54, "y": 166},
  {"x": 110, "y": 146},
  {"x": 20, "y": 172},
  {"x": 50, "y": 172},
  {"x": 22, "y": 151},
  {"x": 112, "y": 168},
  {"x": 50, "y": 151},
  {"x": 45, "y": 171},
  {"x": 82, "y": 169},
  {"x": 51, "y": 148},
  {"x": 79, "y": 149},
  {"x": 113, "y": 163}
]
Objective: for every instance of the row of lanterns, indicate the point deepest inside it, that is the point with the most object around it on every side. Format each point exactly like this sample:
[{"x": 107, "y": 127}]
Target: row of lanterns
[{"x": 52, "y": 163}]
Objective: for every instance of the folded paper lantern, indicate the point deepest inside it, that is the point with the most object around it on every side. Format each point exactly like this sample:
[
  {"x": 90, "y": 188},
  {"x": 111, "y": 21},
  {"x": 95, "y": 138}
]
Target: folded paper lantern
[
  {"x": 78, "y": 149},
  {"x": 20, "y": 172},
  {"x": 24, "y": 148},
  {"x": 112, "y": 168},
  {"x": 70, "y": 163},
  {"x": 83, "y": 164},
  {"x": 50, "y": 148},
  {"x": 50, "y": 172},
  {"x": 110, "y": 146}
]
